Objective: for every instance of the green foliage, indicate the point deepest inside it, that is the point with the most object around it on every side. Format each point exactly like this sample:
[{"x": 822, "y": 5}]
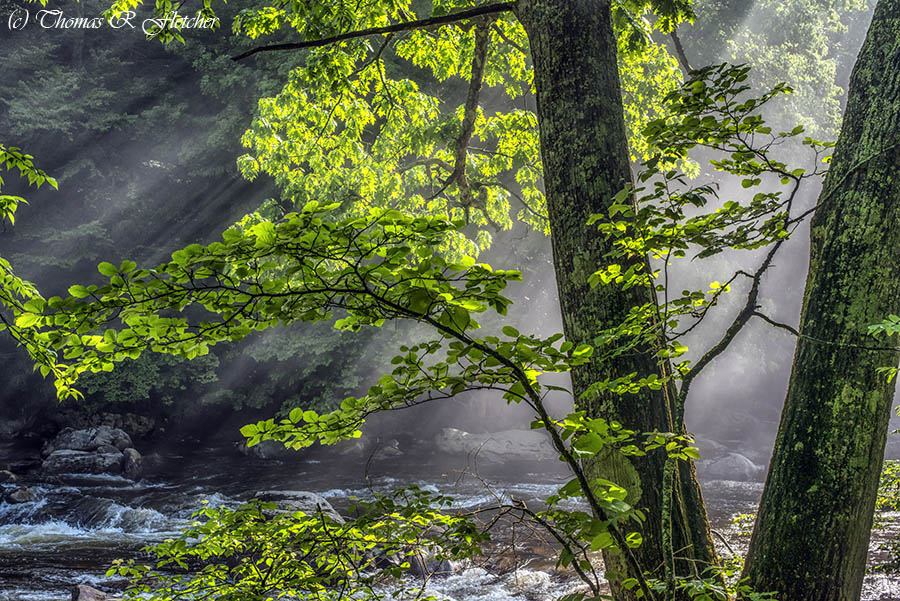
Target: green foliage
[
  {"x": 13, "y": 158},
  {"x": 334, "y": 131},
  {"x": 669, "y": 217},
  {"x": 813, "y": 53},
  {"x": 150, "y": 380},
  {"x": 369, "y": 267},
  {"x": 259, "y": 552},
  {"x": 744, "y": 523},
  {"x": 388, "y": 178},
  {"x": 18, "y": 296},
  {"x": 299, "y": 269},
  {"x": 717, "y": 584},
  {"x": 886, "y": 329}
]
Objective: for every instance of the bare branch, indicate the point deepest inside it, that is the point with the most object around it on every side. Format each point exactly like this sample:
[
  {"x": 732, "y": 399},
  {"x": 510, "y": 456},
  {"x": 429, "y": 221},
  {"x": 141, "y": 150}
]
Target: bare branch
[
  {"x": 737, "y": 325},
  {"x": 470, "y": 114},
  {"x": 777, "y": 324},
  {"x": 487, "y": 9}
]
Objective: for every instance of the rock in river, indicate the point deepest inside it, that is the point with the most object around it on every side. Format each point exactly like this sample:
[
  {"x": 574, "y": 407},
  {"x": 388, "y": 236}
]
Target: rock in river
[
  {"x": 83, "y": 462},
  {"x": 132, "y": 463},
  {"x": 89, "y": 439},
  {"x": 732, "y": 466},
  {"x": 83, "y": 592},
  {"x": 267, "y": 449},
  {"x": 299, "y": 500},
  {"x": 21, "y": 495},
  {"x": 498, "y": 447},
  {"x": 100, "y": 450}
]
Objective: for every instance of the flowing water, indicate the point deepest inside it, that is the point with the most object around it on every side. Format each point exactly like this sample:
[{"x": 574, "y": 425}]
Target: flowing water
[{"x": 77, "y": 525}]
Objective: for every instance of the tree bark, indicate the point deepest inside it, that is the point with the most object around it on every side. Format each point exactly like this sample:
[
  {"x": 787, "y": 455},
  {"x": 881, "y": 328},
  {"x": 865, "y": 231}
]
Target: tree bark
[
  {"x": 812, "y": 531},
  {"x": 586, "y": 162}
]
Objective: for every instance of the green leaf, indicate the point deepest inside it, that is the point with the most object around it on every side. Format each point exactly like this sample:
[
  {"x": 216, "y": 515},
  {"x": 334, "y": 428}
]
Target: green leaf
[
  {"x": 26, "y": 320},
  {"x": 604, "y": 540},
  {"x": 107, "y": 269},
  {"x": 511, "y": 331}
]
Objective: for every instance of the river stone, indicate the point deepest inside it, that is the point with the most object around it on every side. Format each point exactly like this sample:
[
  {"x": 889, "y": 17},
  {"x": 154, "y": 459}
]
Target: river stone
[
  {"x": 497, "y": 447},
  {"x": 732, "y": 466},
  {"x": 83, "y": 592},
  {"x": 21, "y": 495},
  {"x": 83, "y": 462},
  {"x": 131, "y": 466},
  {"x": 299, "y": 500},
  {"x": 422, "y": 564},
  {"x": 89, "y": 439},
  {"x": 429, "y": 566}
]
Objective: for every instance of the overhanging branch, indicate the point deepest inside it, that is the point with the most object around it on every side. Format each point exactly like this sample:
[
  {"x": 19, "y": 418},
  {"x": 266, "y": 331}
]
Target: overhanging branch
[{"x": 487, "y": 9}]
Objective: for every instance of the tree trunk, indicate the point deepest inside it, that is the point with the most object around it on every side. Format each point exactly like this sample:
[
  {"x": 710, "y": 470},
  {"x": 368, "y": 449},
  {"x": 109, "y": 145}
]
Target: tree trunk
[
  {"x": 586, "y": 162},
  {"x": 812, "y": 532}
]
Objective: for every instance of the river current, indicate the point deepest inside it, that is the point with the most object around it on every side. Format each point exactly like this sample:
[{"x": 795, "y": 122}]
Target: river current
[{"x": 77, "y": 525}]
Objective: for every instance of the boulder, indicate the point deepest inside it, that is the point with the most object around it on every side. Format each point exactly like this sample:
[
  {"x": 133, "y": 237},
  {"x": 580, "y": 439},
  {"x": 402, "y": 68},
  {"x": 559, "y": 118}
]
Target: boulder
[
  {"x": 299, "y": 500},
  {"x": 83, "y": 592},
  {"x": 498, "y": 447},
  {"x": 83, "y": 462},
  {"x": 710, "y": 449},
  {"x": 21, "y": 495},
  {"x": 422, "y": 563},
  {"x": 429, "y": 566},
  {"x": 89, "y": 439},
  {"x": 732, "y": 466},
  {"x": 132, "y": 464}
]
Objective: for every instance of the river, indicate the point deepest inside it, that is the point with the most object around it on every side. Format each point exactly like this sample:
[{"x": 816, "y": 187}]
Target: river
[{"x": 78, "y": 524}]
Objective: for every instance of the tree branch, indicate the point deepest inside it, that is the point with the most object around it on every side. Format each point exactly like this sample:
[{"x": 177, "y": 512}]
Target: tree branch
[
  {"x": 737, "y": 325},
  {"x": 470, "y": 114},
  {"x": 487, "y": 9},
  {"x": 777, "y": 324},
  {"x": 679, "y": 52}
]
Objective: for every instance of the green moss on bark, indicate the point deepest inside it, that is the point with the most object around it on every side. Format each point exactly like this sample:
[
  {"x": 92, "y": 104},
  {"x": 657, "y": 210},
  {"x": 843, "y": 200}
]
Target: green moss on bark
[
  {"x": 813, "y": 527},
  {"x": 586, "y": 161}
]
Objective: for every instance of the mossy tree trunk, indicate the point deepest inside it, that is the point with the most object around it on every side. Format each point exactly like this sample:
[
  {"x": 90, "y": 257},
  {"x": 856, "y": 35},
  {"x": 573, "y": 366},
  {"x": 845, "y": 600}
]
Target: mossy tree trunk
[
  {"x": 812, "y": 531},
  {"x": 586, "y": 162}
]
